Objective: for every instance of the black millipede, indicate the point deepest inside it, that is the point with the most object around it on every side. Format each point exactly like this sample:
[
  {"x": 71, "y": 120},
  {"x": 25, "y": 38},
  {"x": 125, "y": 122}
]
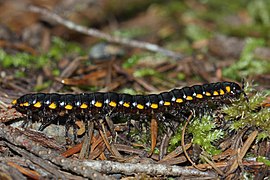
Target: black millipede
[{"x": 93, "y": 106}]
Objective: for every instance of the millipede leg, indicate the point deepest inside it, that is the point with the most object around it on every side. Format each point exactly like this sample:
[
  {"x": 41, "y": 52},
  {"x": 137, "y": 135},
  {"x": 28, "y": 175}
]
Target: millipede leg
[
  {"x": 129, "y": 129},
  {"x": 75, "y": 130},
  {"x": 28, "y": 120},
  {"x": 86, "y": 124},
  {"x": 67, "y": 126},
  {"x": 46, "y": 122}
]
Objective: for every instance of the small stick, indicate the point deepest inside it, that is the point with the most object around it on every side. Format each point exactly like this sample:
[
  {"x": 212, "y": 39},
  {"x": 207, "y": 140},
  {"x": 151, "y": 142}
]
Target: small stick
[
  {"x": 183, "y": 144},
  {"x": 54, "y": 170},
  {"x": 96, "y": 33}
]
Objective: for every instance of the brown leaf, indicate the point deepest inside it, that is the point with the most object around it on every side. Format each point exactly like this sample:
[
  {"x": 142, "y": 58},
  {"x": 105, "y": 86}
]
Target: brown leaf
[{"x": 154, "y": 129}]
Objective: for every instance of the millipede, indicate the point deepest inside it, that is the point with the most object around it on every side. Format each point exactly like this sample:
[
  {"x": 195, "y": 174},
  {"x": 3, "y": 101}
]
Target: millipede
[{"x": 93, "y": 106}]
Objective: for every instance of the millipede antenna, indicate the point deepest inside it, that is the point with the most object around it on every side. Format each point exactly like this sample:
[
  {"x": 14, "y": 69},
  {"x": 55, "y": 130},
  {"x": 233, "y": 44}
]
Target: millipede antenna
[{"x": 243, "y": 91}]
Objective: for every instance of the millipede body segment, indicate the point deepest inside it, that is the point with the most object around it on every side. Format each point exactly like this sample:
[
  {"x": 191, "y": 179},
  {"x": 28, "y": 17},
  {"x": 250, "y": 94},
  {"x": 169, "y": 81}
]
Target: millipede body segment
[{"x": 91, "y": 106}]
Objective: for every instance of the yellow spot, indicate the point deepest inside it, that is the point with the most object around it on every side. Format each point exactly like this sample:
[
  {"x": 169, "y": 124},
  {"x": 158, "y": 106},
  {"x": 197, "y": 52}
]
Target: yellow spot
[
  {"x": 166, "y": 103},
  {"x": 179, "y": 100},
  {"x": 215, "y": 93},
  {"x": 83, "y": 106},
  {"x": 14, "y": 102},
  {"x": 208, "y": 94},
  {"x": 127, "y": 105},
  {"x": 154, "y": 106},
  {"x": 139, "y": 106},
  {"x": 199, "y": 96},
  {"x": 221, "y": 92},
  {"x": 98, "y": 104},
  {"x": 189, "y": 98},
  {"x": 228, "y": 88},
  {"x": 68, "y": 107},
  {"x": 37, "y": 104},
  {"x": 53, "y": 106},
  {"x": 113, "y": 104},
  {"x": 21, "y": 104},
  {"x": 26, "y": 104}
]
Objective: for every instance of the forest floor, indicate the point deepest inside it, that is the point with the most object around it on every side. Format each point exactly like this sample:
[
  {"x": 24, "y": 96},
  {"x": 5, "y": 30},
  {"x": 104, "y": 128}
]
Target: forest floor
[{"x": 137, "y": 48}]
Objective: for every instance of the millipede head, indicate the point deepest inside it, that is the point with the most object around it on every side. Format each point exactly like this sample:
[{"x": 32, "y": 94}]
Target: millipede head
[
  {"x": 14, "y": 103},
  {"x": 21, "y": 104}
]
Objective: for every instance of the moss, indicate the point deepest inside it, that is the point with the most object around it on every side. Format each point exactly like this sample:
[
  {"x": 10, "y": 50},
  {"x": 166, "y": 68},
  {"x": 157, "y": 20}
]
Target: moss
[
  {"x": 58, "y": 49},
  {"x": 195, "y": 32},
  {"x": 130, "y": 62},
  {"x": 145, "y": 72},
  {"x": 248, "y": 65},
  {"x": 205, "y": 133},
  {"x": 128, "y": 91},
  {"x": 259, "y": 11},
  {"x": 250, "y": 114},
  {"x": 241, "y": 113},
  {"x": 45, "y": 85},
  {"x": 264, "y": 160},
  {"x": 176, "y": 139}
]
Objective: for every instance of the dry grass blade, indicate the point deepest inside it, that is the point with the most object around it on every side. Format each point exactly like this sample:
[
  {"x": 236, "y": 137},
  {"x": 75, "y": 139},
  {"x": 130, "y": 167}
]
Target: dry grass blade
[
  {"x": 174, "y": 161},
  {"x": 213, "y": 165},
  {"x": 27, "y": 172},
  {"x": 111, "y": 147},
  {"x": 175, "y": 153},
  {"x": 129, "y": 149},
  {"x": 87, "y": 140},
  {"x": 243, "y": 151},
  {"x": 96, "y": 142},
  {"x": 72, "y": 150},
  {"x": 99, "y": 149}
]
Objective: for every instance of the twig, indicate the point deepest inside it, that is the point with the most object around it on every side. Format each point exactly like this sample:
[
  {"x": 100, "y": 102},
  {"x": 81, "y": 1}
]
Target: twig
[
  {"x": 89, "y": 168},
  {"x": 49, "y": 167},
  {"x": 96, "y": 33},
  {"x": 151, "y": 169},
  {"x": 17, "y": 138},
  {"x": 183, "y": 144},
  {"x": 9, "y": 172}
]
